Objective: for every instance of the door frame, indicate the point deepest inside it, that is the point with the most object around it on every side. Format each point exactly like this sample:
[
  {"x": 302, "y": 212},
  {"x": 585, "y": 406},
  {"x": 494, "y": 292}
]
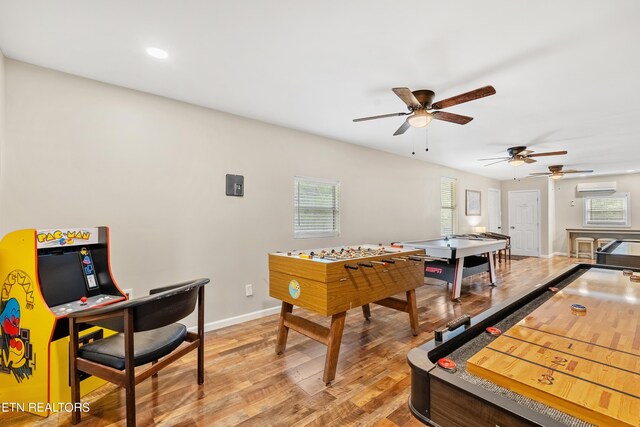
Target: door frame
[
  {"x": 538, "y": 212},
  {"x": 499, "y": 191}
]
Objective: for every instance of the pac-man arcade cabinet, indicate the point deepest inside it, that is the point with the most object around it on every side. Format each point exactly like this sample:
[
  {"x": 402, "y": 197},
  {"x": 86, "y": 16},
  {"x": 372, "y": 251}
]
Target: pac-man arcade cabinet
[{"x": 46, "y": 275}]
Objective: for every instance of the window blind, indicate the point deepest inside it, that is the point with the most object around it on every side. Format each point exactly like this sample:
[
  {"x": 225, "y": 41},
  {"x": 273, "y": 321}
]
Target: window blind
[
  {"x": 316, "y": 208},
  {"x": 609, "y": 210},
  {"x": 447, "y": 206}
]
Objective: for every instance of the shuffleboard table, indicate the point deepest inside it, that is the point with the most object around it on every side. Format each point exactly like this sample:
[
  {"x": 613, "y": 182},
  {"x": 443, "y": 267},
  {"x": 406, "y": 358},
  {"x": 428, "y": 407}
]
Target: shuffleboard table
[
  {"x": 458, "y": 257},
  {"x": 625, "y": 253},
  {"x": 566, "y": 352}
]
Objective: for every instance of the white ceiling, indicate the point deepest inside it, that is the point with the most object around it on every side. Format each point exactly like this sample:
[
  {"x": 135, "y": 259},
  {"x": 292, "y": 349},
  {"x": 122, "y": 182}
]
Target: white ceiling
[{"x": 567, "y": 73}]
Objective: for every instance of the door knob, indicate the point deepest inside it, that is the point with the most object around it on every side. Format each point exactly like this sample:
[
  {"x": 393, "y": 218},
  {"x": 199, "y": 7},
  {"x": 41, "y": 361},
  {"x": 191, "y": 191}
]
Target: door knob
[{"x": 512, "y": 227}]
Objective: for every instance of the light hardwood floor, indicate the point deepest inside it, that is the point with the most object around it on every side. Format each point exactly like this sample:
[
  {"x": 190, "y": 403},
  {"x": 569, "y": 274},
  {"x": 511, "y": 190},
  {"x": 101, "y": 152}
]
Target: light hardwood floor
[{"x": 247, "y": 384}]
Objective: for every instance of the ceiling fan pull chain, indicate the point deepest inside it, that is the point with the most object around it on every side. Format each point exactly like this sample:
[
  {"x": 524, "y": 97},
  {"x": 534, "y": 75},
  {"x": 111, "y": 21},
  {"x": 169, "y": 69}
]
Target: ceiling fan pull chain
[{"x": 426, "y": 143}]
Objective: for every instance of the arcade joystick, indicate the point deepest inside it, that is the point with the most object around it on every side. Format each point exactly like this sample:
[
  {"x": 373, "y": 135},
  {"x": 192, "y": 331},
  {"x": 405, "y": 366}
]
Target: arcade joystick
[{"x": 83, "y": 301}]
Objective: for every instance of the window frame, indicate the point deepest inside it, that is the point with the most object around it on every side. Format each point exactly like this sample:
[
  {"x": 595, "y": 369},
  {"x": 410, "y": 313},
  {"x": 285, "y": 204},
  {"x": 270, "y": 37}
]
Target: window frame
[
  {"x": 625, "y": 222},
  {"x": 454, "y": 206},
  {"x": 308, "y": 234}
]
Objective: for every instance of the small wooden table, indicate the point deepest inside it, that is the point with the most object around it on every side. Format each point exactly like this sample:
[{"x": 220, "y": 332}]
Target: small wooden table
[{"x": 331, "y": 286}]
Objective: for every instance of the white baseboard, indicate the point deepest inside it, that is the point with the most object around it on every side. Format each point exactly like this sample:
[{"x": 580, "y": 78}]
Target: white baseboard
[
  {"x": 559, "y": 254},
  {"x": 223, "y": 323}
]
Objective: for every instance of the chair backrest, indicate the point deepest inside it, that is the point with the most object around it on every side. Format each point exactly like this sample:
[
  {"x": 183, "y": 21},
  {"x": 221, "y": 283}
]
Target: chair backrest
[{"x": 162, "y": 307}]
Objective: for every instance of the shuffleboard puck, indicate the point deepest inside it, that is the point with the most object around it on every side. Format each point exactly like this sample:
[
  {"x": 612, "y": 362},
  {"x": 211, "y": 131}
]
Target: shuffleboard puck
[
  {"x": 634, "y": 278},
  {"x": 491, "y": 330},
  {"x": 627, "y": 272},
  {"x": 554, "y": 289},
  {"x": 447, "y": 364},
  {"x": 578, "y": 308}
]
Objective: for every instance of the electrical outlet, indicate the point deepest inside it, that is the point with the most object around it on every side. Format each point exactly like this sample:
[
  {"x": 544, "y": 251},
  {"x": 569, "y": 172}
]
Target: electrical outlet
[
  {"x": 128, "y": 293},
  {"x": 248, "y": 290}
]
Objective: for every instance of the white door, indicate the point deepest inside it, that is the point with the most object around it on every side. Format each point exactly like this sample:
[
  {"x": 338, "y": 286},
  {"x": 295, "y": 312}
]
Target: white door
[
  {"x": 495, "y": 217},
  {"x": 524, "y": 227}
]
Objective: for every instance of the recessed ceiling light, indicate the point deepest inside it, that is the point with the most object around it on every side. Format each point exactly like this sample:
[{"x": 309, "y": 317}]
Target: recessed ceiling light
[
  {"x": 157, "y": 53},
  {"x": 631, "y": 171}
]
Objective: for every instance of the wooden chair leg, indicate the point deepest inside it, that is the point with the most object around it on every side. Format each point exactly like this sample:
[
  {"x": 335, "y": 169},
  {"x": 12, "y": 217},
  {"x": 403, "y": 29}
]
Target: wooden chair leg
[
  {"x": 201, "y": 335},
  {"x": 366, "y": 311},
  {"x": 73, "y": 371},
  {"x": 283, "y": 330},
  {"x": 129, "y": 368},
  {"x": 333, "y": 346}
]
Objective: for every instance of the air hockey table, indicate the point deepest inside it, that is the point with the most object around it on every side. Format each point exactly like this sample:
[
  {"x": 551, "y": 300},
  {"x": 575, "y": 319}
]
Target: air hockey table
[
  {"x": 457, "y": 257},
  {"x": 625, "y": 253},
  {"x": 567, "y": 352}
]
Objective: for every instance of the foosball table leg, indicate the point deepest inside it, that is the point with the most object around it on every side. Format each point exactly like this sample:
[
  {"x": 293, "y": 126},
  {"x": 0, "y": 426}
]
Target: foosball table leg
[
  {"x": 283, "y": 330},
  {"x": 412, "y": 309},
  {"x": 333, "y": 346},
  {"x": 366, "y": 311}
]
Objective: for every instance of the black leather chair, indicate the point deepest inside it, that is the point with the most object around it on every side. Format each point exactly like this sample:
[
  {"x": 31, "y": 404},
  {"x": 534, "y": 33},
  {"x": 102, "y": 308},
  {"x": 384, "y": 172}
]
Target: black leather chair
[{"x": 148, "y": 333}]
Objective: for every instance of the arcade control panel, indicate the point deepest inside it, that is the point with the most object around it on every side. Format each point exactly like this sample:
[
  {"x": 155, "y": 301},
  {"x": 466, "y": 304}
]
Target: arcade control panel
[{"x": 84, "y": 303}]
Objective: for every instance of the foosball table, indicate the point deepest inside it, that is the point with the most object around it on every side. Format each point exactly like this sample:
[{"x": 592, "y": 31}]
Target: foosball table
[{"x": 331, "y": 281}]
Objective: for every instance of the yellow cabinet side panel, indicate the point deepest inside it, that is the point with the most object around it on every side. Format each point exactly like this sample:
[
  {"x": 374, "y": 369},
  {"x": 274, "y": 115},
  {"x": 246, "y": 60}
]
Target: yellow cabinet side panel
[{"x": 26, "y": 323}]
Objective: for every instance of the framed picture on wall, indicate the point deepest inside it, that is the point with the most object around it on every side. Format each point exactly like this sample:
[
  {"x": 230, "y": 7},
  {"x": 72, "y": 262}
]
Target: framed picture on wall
[{"x": 472, "y": 205}]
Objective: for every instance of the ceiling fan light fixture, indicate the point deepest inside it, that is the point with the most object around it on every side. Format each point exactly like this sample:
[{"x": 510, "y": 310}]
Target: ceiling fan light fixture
[
  {"x": 419, "y": 119},
  {"x": 516, "y": 162},
  {"x": 556, "y": 176}
]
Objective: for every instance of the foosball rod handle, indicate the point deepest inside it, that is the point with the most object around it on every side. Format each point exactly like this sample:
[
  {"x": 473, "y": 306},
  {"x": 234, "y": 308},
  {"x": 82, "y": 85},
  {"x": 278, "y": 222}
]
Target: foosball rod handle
[{"x": 351, "y": 266}]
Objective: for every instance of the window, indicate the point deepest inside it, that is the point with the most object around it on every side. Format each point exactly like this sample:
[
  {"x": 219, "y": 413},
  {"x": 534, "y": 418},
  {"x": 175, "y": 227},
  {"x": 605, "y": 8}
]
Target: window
[
  {"x": 447, "y": 206},
  {"x": 608, "y": 211},
  {"x": 316, "y": 208}
]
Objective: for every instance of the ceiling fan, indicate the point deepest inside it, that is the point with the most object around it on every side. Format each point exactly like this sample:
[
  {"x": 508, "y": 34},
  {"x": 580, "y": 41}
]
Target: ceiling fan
[
  {"x": 556, "y": 172},
  {"x": 520, "y": 155},
  {"x": 419, "y": 103}
]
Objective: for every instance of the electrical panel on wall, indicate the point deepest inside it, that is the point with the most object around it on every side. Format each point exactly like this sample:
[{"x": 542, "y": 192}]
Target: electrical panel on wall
[{"x": 235, "y": 185}]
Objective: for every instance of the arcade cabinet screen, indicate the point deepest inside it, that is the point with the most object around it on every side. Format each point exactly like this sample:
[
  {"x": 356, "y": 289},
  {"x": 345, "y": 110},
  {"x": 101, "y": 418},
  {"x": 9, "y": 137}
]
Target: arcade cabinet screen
[{"x": 61, "y": 278}]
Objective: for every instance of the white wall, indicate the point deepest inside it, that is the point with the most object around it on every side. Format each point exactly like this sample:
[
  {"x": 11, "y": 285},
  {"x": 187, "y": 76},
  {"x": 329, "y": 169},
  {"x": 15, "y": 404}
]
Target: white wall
[
  {"x": 2, "y": 115},
  {"x": 568, "y": 216},
  {"x": 83, "y": 153}
]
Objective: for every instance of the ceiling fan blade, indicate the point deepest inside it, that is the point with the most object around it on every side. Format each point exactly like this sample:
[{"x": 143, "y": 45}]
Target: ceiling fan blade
[
  {"x": 382, "y": 116},
  {"x": 550, "y": 153},
  {"x": 528, "y": 160},
  {"x": 495, "y": 158},
  {"x": 575, "y": 171},
  {"x": 403, "y": 128},
  {"x": 503, "y": 160},
  {"x": 407, "y": 97},
  {"x": 450, "y": 117},
  {"x": 524, "y": 152},
  {"x": 540, "y": 174},
  {"x": 464, "y": 97}
]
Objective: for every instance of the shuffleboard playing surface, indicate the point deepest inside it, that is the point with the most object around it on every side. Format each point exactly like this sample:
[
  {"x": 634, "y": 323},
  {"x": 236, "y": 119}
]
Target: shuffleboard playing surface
[{"x": 584, "y": 363}]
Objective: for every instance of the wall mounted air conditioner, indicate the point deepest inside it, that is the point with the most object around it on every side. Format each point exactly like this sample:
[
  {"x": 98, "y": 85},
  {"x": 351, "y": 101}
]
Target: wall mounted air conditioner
[{"x": 596, "y": 187}]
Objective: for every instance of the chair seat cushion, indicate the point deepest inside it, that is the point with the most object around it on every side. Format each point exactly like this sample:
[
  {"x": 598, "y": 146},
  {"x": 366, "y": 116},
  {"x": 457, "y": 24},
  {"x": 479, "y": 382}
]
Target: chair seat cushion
[{"x": 149, "y": 346}]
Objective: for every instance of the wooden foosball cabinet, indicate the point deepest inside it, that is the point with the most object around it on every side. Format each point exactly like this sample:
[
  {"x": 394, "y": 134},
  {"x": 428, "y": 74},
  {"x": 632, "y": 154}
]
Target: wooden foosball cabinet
[{"x": 331, "y": 281}]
